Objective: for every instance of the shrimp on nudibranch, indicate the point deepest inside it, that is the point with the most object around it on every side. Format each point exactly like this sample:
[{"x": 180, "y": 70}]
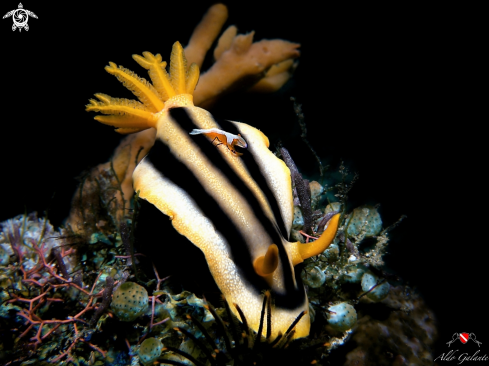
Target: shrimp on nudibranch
[{"x": 220, "y": 137}]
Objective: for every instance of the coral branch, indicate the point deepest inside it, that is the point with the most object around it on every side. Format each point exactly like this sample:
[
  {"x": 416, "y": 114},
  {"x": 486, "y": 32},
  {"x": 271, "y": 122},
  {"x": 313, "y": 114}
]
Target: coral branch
[
  {"x": 61, "y": 263},
  {"x": 103, "y": 353},
  {"x": 241, "y": 66},
  {"x": 205, "y": 33},
  {"x": 160, "y": 280}
]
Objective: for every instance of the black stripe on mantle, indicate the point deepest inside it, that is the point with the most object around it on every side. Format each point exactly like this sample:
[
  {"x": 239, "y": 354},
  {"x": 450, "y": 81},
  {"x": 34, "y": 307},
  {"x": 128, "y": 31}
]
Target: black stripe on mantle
[{"x": 177, "y": 172}]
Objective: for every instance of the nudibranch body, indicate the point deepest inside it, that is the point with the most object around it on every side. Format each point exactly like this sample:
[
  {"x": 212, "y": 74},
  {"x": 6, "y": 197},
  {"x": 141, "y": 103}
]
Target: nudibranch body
[{"x": 237, "y": 209}]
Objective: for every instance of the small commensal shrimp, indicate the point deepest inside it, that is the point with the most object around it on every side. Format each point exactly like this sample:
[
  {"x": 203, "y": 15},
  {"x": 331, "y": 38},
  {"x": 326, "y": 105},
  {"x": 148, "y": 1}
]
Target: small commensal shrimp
[{"x": 222, "y": 137}]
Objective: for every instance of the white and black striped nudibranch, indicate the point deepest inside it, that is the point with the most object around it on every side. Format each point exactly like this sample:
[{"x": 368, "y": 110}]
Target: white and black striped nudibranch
[{"x": 237, "y": 207}]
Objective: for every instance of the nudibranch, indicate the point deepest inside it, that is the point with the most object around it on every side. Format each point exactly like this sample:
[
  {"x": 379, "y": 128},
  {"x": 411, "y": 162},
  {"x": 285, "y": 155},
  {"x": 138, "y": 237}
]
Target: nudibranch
[{"x": 238, "y": 209}]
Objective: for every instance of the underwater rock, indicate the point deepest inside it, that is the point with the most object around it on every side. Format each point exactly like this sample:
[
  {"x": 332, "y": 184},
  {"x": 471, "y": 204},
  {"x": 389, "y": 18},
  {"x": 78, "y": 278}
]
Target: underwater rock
[
  {"x": 365, "y": 218},
  {"x": 99, "y": 238},
  {"x": 354, "y": 274},
  {"x": 295, "y": 235},
  {"x": 380, "y": 292},
  {"x": 150, "y": 350},
  {"x": 332, "y": 207},
  {"x": 342, "y": 316},
  {"x": 177, "y": 307},
  {"x": 406, "y": 337},
  {"x": 4, "y": 257},
  {"x": 314, "y": 278},
  {"x": 28, "y": 237},
  {"x": 298, "y": 222},
  {"x": 25, "y": 233},
  {"x": 98, "y": 207},
  {"x": 332, "y": 253},
  {"x": 130, "y": 301},
  {"x": 316, "y": 191}
]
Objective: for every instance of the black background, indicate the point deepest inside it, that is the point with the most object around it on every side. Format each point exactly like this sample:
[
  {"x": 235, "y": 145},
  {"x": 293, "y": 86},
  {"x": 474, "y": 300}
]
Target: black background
[{"x": 390, "y": 90}]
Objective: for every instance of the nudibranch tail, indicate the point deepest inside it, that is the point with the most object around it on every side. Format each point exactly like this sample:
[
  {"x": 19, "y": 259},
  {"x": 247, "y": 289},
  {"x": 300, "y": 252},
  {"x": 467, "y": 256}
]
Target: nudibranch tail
[{"x": 130, "y": 116}]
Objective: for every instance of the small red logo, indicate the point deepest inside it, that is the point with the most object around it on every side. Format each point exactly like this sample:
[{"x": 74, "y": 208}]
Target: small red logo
[{"x": 464, "y": 337}]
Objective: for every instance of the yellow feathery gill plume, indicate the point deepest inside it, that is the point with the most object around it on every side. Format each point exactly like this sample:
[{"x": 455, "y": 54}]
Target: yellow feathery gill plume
[{"x": 173, "y": 89}]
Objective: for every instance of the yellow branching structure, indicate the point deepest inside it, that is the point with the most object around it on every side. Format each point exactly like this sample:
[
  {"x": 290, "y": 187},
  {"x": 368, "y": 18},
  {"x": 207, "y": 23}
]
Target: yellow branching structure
[
  {"x": 262, "y": 66},
  {"x": 130, "y": 116}
]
